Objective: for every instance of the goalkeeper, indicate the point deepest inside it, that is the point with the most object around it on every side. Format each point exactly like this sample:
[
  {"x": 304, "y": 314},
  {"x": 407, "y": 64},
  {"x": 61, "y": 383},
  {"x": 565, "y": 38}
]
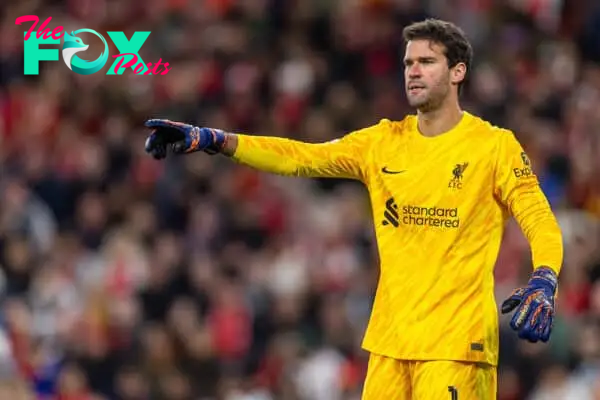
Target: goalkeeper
[{"x": 442, "y": 184}]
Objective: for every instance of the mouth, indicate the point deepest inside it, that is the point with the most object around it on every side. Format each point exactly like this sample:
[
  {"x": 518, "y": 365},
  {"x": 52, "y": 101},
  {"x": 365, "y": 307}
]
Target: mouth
[{"x": 414, "y": 88}]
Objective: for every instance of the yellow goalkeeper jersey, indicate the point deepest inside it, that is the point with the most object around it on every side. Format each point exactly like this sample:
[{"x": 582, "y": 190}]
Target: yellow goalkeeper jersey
[{"x": 439, "y": 207}]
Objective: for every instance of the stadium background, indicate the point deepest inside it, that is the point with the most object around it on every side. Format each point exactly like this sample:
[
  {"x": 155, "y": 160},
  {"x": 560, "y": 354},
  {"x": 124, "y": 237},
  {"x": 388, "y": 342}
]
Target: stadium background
[{"x": 127, "y": 278}]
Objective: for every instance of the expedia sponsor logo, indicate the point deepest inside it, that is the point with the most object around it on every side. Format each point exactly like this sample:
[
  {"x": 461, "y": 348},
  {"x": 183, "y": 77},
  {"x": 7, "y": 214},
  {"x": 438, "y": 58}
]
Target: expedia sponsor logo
[
  {"x": 522, "y": 172},
  {"x": 526, "y": 170},
  {"x": 420, "y": 215}
]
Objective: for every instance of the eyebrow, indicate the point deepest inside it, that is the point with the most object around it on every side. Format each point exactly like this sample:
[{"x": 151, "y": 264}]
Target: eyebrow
[{"x": 420, "y": 59}]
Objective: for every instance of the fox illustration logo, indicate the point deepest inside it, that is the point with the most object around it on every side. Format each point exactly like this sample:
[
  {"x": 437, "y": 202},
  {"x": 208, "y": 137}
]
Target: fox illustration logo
[{"x": 73, "y": 44}]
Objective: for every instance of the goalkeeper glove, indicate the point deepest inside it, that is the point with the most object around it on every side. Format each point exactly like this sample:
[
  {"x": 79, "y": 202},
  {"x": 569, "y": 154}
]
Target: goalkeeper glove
[
  {"x": 182, "y": 138},
  {"x": 534, "y": 306}
]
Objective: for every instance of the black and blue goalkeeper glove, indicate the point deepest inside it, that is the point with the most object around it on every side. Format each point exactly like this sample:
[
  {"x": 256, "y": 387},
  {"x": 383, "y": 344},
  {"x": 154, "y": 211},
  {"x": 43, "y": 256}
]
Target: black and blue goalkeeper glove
[
  {"x": 534, "y": 306},
  {"x": 181, "y": 138}
]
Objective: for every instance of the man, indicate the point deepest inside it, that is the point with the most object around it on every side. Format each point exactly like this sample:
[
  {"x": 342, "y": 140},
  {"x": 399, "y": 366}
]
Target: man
[{"x": 442, "y": 184}]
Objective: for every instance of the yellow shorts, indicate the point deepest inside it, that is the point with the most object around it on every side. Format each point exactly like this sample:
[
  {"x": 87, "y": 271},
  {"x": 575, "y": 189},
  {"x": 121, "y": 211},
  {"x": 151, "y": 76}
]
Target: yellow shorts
[{"x": 390, "y": 379}]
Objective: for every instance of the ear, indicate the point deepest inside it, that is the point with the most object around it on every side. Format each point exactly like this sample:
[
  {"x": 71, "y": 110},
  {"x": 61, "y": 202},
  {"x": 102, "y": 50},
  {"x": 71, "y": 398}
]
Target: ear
[{"x": 458, "y": 73}]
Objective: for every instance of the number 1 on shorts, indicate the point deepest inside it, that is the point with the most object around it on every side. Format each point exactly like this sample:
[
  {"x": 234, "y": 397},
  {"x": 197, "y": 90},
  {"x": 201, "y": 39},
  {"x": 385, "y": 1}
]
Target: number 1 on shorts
[{"x": 453, "y": 393}]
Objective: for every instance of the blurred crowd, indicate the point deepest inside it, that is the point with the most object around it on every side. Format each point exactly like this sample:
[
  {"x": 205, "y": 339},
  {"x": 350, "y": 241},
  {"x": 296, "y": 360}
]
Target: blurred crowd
[{"x": 127, "y": 278}]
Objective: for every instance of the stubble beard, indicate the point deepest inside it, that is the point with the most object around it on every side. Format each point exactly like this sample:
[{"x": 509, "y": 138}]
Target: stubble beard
[{"x": 432, "y": 100}]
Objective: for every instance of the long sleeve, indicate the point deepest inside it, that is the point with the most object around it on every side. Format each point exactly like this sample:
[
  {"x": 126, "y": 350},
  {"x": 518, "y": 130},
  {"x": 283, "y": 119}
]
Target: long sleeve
[
  {"x": 340, "y": 158},
  {"x": 517, "y": 187}
]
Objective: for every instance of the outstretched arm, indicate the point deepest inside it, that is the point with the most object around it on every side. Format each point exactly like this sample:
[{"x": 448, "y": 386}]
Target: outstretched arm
[{"x": 341, "y": 158}]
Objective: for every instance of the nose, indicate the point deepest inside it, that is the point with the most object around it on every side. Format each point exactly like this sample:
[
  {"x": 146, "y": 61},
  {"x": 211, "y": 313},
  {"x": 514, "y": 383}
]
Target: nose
[{"x": 414, "y": 71}]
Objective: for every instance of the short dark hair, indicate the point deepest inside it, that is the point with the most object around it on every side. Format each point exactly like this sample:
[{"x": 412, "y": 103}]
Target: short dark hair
[{"x": 457, "y": 47}]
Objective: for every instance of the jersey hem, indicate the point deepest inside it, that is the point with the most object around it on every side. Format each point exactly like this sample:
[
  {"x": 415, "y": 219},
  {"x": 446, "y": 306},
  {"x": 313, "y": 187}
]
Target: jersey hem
[{"x": 428, "y": 357}]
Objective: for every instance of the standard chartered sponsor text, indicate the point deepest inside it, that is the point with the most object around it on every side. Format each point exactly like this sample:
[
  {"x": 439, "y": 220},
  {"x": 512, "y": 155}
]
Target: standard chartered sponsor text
[{"x": 430, "y": 216}]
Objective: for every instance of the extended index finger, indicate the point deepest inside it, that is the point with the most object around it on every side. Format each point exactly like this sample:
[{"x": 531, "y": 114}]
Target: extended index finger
[{"x": 159, "y": 123}]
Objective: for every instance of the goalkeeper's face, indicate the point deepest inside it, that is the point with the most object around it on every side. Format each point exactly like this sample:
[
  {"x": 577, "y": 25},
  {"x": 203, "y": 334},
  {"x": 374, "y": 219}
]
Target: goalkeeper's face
[{"x": 426, "y": 75}]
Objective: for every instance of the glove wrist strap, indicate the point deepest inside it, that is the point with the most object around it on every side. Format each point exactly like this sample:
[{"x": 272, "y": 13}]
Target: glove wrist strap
[
  {"x": 546, "y": 275},
  {"x": 219, "y": 139}
]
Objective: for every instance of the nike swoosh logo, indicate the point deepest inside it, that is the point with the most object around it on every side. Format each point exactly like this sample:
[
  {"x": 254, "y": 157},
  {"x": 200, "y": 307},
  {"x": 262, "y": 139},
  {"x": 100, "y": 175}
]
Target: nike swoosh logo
[{"x": 387, "y": 171}]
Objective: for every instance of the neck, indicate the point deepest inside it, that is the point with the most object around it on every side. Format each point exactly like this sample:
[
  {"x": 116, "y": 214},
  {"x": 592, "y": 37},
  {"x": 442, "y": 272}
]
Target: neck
[{"x": 436, "y": 122}]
